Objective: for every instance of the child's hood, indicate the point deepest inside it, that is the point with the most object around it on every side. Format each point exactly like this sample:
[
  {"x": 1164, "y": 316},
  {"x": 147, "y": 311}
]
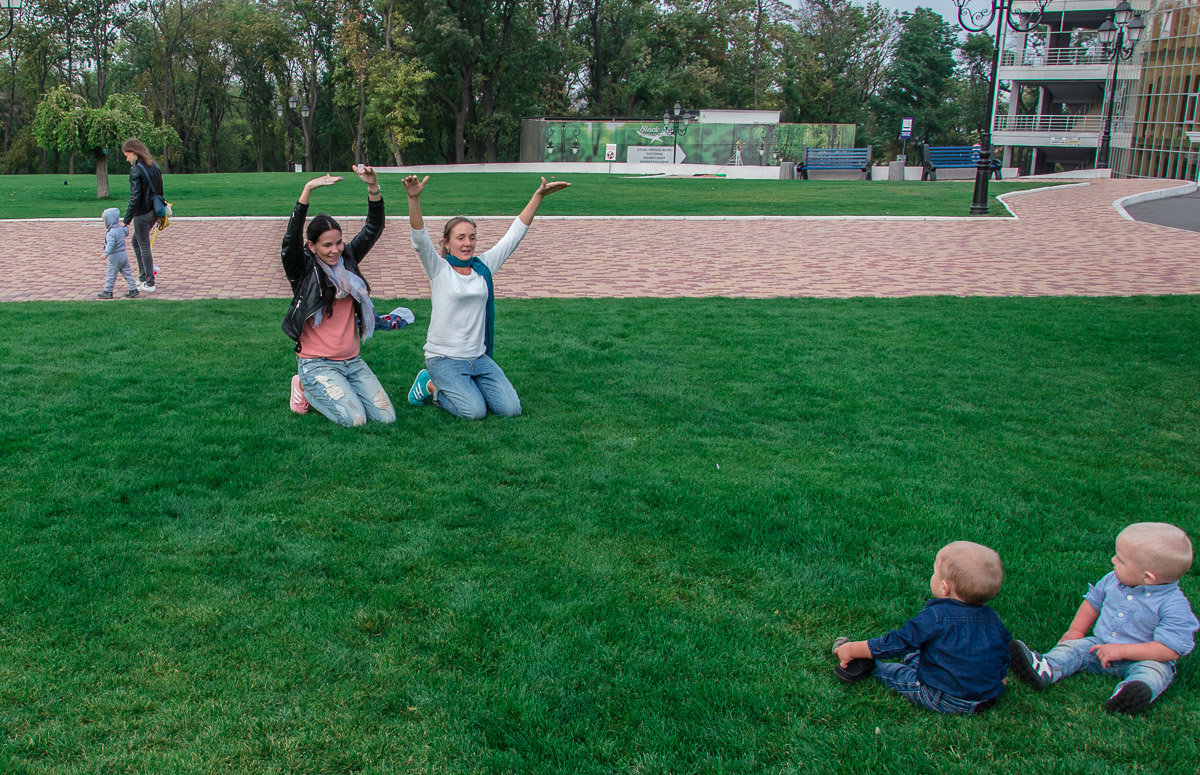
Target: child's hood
[{"x": 112, "y": 217}]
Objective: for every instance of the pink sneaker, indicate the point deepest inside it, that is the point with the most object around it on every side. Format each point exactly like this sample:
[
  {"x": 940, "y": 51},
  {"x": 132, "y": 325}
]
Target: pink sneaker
[{"x": 298, "y": 403}]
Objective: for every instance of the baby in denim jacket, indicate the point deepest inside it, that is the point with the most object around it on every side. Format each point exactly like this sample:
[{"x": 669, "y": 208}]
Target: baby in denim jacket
[
  {"x": 955, "y": 652},
  {"x": 1141, "y": 622}
]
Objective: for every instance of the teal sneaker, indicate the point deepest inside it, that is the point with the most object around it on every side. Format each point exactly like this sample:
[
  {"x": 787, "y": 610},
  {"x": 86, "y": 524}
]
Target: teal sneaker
[{"x": 419, "y": 392}]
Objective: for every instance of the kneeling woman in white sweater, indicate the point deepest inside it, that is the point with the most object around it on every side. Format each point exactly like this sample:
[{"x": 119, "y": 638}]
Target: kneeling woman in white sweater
[{"x": 460, "y": 375}]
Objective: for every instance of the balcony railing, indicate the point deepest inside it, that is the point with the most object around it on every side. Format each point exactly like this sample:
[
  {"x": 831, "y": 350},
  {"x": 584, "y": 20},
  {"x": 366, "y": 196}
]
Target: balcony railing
[
  {"x": 1080, "y": 124},
  {"x": 1051, "y": 57}
]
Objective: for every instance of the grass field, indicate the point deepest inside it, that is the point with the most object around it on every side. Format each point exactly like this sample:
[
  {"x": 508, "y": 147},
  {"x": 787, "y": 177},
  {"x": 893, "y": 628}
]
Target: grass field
[
  {"x": 46, "y": 196},
  {"x": 642, "y": 574}
]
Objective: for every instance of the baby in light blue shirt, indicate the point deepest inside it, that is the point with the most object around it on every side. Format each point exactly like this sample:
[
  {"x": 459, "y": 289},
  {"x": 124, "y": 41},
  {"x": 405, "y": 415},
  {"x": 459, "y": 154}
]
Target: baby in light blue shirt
[{"x": 1141, "y": 622}]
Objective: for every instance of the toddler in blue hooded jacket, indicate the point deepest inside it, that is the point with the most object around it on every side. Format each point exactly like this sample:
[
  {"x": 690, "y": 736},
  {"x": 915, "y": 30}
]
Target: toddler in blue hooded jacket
[{"x": 118, "y": 259}]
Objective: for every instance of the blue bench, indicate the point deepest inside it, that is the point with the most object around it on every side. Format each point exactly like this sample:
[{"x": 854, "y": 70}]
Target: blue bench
[
  {"x": 857, "y": 159},
  {"x": 948, "y": 157}
]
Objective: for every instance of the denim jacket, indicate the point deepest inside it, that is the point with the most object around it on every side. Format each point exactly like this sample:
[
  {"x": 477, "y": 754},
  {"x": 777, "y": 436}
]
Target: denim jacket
[{"x": 963, "y": 648}]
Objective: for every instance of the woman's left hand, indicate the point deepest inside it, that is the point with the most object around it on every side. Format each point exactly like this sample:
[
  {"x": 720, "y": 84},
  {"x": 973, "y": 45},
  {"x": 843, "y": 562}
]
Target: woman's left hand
[
  {"x": 549, "y": 188},
  {"x": 366, "y": 173}
]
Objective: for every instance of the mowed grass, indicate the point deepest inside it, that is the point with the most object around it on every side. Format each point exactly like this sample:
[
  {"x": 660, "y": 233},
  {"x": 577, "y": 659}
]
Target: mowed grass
[
  {"x": 642, "y": 574},
  {"x": 264, "y": 194}
]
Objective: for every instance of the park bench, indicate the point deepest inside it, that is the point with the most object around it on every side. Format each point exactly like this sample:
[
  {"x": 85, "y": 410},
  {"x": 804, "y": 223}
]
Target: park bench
[
  {"x": 938, "y": 157},
  {"x": 857, "y": 159}
]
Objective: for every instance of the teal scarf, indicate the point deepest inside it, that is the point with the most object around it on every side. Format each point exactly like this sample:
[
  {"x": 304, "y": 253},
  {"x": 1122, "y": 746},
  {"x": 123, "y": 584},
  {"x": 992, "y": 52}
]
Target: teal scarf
[{"x": 489, "y": 326}]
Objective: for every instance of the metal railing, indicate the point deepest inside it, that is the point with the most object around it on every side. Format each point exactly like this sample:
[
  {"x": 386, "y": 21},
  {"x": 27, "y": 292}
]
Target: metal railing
[
  {"x": 1051, "y": 57},
  {"x": 1090, "y": 123}
]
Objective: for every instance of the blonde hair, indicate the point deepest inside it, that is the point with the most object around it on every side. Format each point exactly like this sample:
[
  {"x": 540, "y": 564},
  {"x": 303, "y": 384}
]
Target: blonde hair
[
  {"x": 974, "y": 570},
  {"x": 1160, "y": 548}
]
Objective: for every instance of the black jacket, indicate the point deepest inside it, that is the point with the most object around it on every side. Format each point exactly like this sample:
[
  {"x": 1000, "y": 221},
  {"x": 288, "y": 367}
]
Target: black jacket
[
  {"x": 141, "y": 196},
  {"x": 311, "y": 289}
]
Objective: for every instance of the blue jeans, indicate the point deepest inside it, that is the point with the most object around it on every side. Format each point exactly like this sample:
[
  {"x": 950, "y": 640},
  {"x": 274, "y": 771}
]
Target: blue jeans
[
  {"x": 346, "y": 392},
  {"x": 1074, "y": 656},
  {"x": 472, "y": 388},
  {"x": 902, "y": 677}
]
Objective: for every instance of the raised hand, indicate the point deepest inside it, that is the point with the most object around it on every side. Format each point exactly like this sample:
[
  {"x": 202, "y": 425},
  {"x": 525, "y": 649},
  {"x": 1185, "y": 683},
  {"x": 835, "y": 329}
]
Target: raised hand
[
  {"x": 549, "y": 188},
  {"x": 413, "y": 185}
]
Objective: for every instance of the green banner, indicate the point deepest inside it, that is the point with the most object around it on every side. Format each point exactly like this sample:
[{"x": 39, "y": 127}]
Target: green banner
[{"x": 658, "y": 141}]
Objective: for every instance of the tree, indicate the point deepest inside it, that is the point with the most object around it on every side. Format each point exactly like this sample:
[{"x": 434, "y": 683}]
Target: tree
[
  {"x": 976, "y": 53},
  {"x": 65, "y": 123},
  {"x": 920, "y": 78}
]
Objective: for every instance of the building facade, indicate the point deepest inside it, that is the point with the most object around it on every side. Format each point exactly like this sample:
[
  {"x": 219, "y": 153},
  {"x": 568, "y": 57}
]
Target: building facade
[{"x": 1067, "y": 91}]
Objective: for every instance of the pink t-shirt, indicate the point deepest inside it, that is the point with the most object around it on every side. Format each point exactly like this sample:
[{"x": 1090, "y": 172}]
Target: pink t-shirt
[{"x": 336, "y": 338}]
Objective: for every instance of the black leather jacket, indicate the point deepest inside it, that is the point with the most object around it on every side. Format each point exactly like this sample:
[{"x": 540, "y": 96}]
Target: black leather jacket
[
  {"x": 311, "y": 289},
  {"x": 141, "y": 196}
]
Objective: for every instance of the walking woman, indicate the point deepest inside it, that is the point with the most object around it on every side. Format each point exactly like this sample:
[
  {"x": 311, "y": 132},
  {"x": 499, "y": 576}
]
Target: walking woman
[
  {"x": 145, "y": 180},
  {"x": 331, "y": 312},
  {"x": 460, "y": 375}
]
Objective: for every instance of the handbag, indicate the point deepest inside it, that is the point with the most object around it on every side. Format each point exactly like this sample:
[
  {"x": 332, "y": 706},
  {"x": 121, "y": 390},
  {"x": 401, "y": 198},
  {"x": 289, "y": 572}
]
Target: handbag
[{"x": 162, "y": 208}]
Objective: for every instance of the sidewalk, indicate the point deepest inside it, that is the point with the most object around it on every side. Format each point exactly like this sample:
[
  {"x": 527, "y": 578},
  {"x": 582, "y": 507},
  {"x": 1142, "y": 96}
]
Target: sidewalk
[{"x": 1066, "y": 241}]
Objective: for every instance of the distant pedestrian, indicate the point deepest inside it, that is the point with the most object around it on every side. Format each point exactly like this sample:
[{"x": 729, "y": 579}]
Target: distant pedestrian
[
  {"x": 145, "y": 180},
  {"x": 118, "y": 258}
]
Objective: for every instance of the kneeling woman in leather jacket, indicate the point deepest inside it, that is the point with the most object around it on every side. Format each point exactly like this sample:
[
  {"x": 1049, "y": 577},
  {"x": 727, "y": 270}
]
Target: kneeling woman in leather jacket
[{"x": 331, "y": 311}]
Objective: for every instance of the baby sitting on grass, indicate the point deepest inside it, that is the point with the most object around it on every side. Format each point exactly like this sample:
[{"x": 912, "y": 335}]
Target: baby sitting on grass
[
  {"x": 1142, "y": 622},
  {"x": 955, "y": 652}
]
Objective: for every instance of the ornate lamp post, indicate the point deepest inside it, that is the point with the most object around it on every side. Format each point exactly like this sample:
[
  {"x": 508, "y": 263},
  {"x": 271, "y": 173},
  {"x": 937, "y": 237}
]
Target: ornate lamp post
[
  {"x": 13, "y": 6},
  {"x": 1113, "y": 37},
  {"x": 678, "y": 118},
  {"x": 978, "y": 20}
]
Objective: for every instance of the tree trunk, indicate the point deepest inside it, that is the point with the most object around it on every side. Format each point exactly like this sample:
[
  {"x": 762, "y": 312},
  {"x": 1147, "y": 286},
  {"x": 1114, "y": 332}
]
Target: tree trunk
[{"x": 101, "y": 174}]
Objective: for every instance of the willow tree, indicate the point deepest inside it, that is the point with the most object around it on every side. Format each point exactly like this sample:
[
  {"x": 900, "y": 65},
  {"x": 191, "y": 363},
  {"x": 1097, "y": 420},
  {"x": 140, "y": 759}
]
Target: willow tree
[{"x": 65, "y": 123}]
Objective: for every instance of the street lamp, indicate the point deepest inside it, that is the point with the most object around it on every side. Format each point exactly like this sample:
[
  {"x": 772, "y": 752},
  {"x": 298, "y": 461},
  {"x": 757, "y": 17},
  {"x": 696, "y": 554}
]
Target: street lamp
[
  {"x": 1112, "y": 36},
  {"x": 13, "y": 6},
  {"x": 678, "y": 118},
  {"x": 974, "y": 20}
]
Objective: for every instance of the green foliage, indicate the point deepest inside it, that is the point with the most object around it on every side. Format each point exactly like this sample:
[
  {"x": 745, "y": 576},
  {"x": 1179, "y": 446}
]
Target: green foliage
[
  {"x": 920, "y": 81},
  {"x": 61, "y": 122},
  {"x": 642, "y": 574}
]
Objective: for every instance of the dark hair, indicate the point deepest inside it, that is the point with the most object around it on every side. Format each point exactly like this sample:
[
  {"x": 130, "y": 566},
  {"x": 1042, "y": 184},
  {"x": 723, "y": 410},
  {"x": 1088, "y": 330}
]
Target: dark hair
[
  {"x": 134, "y": 146},
  {"x": 321, "y": 224}
]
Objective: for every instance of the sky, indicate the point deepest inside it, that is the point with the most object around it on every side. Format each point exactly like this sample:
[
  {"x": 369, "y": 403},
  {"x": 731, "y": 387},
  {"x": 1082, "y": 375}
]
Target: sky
[{"x": 945, "y": 7}]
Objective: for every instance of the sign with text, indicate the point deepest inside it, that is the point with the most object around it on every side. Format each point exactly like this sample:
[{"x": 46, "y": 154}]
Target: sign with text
[
  {"x": 906, "y": 125},
  {"x": 610, "y": 151},
  {"x": 654, "y": 154}
]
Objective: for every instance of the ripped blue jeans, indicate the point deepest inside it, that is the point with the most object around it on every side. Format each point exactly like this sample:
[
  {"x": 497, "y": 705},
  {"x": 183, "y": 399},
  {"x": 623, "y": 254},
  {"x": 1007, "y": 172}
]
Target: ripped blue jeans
[{"x": 347, "y": 392}]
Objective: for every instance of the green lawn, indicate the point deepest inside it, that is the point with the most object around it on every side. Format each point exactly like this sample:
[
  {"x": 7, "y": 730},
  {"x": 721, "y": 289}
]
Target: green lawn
[
  {"x": 642, "y": 574},
  {"x": 272, "y": 193}
]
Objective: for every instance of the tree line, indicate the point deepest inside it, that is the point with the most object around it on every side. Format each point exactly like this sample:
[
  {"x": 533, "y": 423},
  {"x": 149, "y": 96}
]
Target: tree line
[{"x": 254, "y": 85}]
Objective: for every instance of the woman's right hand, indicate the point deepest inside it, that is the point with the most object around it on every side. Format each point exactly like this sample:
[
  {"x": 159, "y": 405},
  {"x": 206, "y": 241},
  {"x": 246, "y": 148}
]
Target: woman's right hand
[
  {"x": 414, "y": 186},
  {"x": 324, "y": 180}
]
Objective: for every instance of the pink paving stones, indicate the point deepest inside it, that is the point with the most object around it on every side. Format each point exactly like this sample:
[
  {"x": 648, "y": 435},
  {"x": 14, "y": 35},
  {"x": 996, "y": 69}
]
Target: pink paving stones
[{"x": 1066, "y": 241}]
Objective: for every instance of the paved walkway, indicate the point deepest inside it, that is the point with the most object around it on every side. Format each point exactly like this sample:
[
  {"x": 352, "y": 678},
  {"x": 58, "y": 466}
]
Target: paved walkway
[{"x": 1066, "y": 241}]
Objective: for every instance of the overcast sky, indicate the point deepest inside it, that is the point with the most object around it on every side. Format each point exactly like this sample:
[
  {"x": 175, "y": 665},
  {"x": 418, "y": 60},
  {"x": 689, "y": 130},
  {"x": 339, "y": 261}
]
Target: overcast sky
[{"x": 945, "y": 7}]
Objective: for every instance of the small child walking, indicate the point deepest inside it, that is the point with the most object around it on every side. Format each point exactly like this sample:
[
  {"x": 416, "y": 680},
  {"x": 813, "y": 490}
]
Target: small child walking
[
  {"x": 955, "y": 651},
  {"x": 118, "y": 259},
  {"x": 1141, "y": 622}
]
